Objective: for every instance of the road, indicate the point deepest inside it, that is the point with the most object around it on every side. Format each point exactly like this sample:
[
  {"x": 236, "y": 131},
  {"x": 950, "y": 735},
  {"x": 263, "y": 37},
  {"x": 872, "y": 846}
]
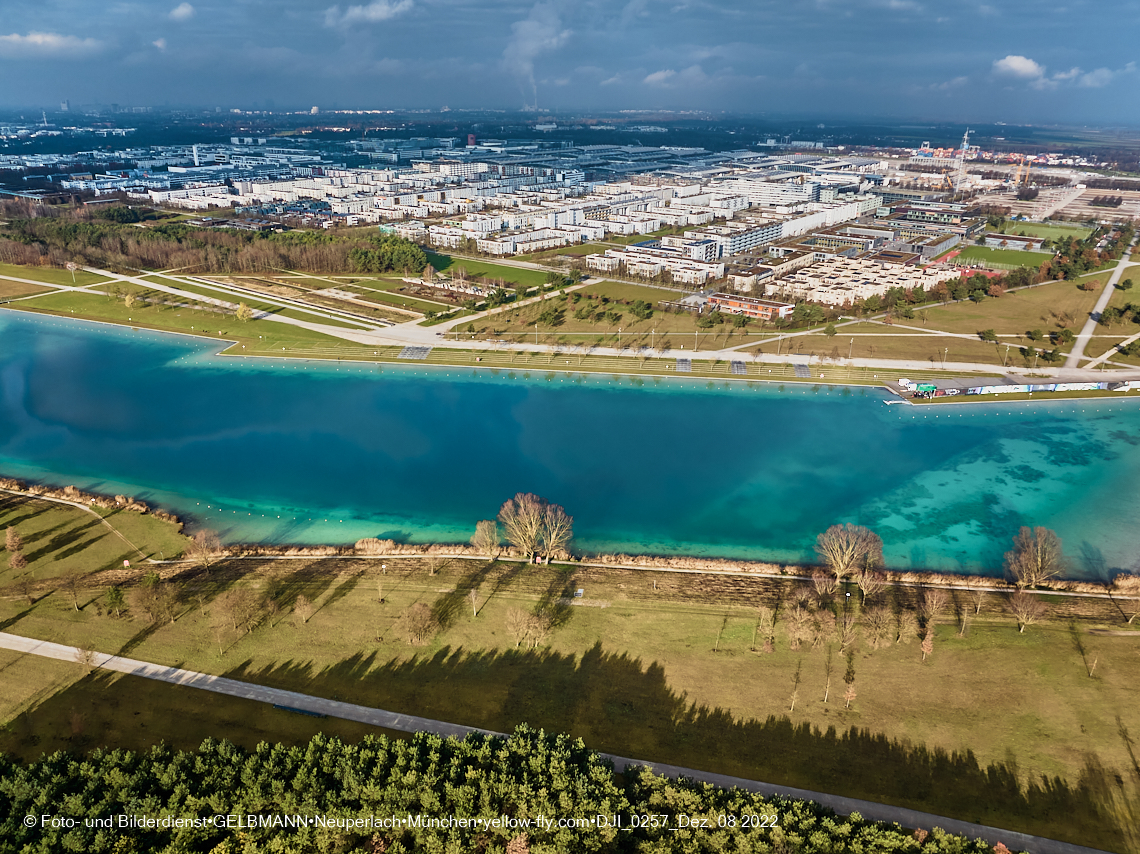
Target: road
[
  {"x": 410, "y": 723},
  {"x": 1077, "y": 354}
]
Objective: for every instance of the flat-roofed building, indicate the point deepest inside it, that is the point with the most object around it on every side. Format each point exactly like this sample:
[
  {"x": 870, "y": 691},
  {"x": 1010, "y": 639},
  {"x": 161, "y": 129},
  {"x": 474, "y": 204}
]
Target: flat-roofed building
[{"x": 751, "y": 306}]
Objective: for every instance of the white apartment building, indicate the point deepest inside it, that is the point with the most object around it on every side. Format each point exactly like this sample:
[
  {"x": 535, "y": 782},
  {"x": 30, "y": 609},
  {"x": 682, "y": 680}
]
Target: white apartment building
[
  {"x": 641, "y": 261},
  {"x": 843, "y": 281}
]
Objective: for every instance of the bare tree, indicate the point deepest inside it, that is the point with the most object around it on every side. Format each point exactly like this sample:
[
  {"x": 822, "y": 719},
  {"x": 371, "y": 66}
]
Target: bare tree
[
  {"x": 86, "y": 659},
  {"x": 242, "y": 607},
  {"x": 13, "y": 542},
  {"x": 1127, "y": 588},
  {"x": 824, "y": 583},
  {"x": 539, "y": 625},
  {"x": 879, "y": 623},
  {"x": 417, "y": 624},
  {"x": 534, "y": 525},
  {"x": 796, "y": 679},
  {"x": 1026, "y": 608},
  {"x": 927, "y": 643},
  {"x": 487, "y": 537},
  {"x": 934, "y": 601},
  {"x": 871, "y": 583},
  {"x": 303, "y": 608},
  {"x": 797, "y": 625},
  {"x": 473, "y": 601},
  {"x": 17, "y": 562},
  {"x": 157, "y": 601},
  {"x": 828, "y": 669},
  {"x": 435, "y": 564},
  {"x": 849, "y": 696},
  {"x": 848, "y": 629},
  {"x": 518, "y": 624},
  {"x": 849, "y": 548},
  {"x": 908, "y": 627},
  {"x": 976, "y": 592},
  {"x": 557, "y": 530},
  {"x": 204, "y": 548},
  {"x": 522, "y": 519},
  {"x": 1035, "y": 557},
  {"x": 765, "y": 622},
  {"x": 70, "y": 585}
]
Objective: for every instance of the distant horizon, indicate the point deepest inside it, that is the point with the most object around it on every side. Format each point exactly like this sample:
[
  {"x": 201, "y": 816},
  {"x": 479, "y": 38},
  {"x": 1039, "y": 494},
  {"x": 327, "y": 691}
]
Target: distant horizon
[{"x": 973, "y": 62}]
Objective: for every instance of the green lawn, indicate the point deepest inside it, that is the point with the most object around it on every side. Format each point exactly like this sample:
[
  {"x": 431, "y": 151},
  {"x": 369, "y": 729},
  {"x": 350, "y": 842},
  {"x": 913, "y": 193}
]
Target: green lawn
[
  {"x": 1046, "y": 230},
  {"x": 263, "y": 333},
  {"x": 659, "y": 666},
  {"x": 50, "y": 275},
  {"x": 479, "y": 268},
  {"x": 1010, "y": 257},
  {"x": 1051, "y": 306}
]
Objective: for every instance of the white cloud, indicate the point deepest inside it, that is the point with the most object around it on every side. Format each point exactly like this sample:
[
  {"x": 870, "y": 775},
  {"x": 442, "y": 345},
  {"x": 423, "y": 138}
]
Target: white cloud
[
  {"x": 182, "y": 12},
  {"x": 1067, "y": 75},
  {"x": 1097, "y": 78},
  {"x": 659, "y": 77},
  {"x": 47, "y": 44},
  {"x": 1021, "y": 67},
  {"x": 373, "y": 13},
  {"x": 667, "y": 77},
  {"x": 952, "y": 84},
  {"x": 541, "y": 31},
  {"x": 159, "y": 43}
]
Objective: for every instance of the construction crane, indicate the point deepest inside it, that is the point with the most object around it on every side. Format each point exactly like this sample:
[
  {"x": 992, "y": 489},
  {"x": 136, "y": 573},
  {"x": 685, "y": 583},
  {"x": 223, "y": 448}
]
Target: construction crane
[{"x": 960, "y": 178}]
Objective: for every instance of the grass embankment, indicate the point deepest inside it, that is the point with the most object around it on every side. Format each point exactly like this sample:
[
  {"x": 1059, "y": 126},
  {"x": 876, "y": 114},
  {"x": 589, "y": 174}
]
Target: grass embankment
[
  {"x": 654, "y": 665},
  {"x": 50, "y": 275},
  {"x": 1049, "y": 231},
  {"x": 478, "y": 268},
  {"x": 262, "y": 335},
  {"x": 1003, "y": 258}
]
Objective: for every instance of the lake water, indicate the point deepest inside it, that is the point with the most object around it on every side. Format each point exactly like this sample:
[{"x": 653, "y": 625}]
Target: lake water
[{"x": 318, "y": 452}]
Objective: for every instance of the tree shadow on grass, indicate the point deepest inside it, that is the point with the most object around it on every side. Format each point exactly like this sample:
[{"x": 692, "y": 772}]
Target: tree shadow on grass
[
  {"x": 447, "y": 608},
  {"x": 621, "y": 705}
]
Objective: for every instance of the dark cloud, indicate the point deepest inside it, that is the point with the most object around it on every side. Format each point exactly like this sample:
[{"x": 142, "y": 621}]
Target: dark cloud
[{"x": 1022, "y": 60}]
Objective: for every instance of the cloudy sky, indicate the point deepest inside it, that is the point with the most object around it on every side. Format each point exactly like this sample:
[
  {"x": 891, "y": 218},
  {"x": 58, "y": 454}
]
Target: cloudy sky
[{"x": 1012, "y": 60}]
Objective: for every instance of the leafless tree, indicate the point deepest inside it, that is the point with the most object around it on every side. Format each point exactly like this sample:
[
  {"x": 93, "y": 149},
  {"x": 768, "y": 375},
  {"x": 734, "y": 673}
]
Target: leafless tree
[
  {"x": 242, "y": 607},
  {"x": 70, "y": 585},
  {"x": 417, "y": 625},
  {"x": 204, "y": 548},
  {"x": 13, "y": 542},
  {"x": 871, "y": 583},
  {"x": 823, "y": 627},
  {"x": 907, "y": 627},
  {"x": 849, "y": 548},
  {"x": 86, "y": 659},
  {"x": 557, "y": 530},
  {"x": 1035, "y": 557},
  {"x": 828, "y": 669},
  {"x": 473, "y": 601},
  {"x": 158, "y": 601},
  {"x": 927, "y": 643},
  {"x": 849, "y": 695},
  {"x": 797, "y": 626},
  {"x": 933, "y": 603},
  {"x": 796, "y": 679},
  {"x": 17, "y": 562},
  {"x": 824, "y": 583},
  {"x": 487, "y": 537},
  {"x": 303, "y": 608},
  {"x": 765, "y": 623},
  {"x": 848, "y": 629},
  {"x": 435, "y": 564},
  {"x": 1026, "y": 608},
  {"x": 534, "y": 525},
  {"x": 518, "y": 624},
  {"x": 1127, "y": 598},
  {"x": 879, "y": 623},
  {"x": 522, "y": 519},
  {"x": 976, "y": 592},
  {"x": 539, "y": 625}
]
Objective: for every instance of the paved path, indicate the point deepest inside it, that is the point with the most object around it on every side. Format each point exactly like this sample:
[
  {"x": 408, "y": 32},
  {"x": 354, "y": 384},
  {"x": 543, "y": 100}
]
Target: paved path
[
  {"x": 1078, "y": 351},
  {"x": 411, "y": 723}
]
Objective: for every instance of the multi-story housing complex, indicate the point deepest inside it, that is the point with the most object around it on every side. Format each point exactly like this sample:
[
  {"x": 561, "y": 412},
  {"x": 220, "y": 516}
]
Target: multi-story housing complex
[{"x": 844, "y": 281}]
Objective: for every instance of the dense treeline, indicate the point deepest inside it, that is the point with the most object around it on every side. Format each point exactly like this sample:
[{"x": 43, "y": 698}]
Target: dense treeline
[
  {"x": 522, "y": 777},
  {"x": 112, "y": 237}
]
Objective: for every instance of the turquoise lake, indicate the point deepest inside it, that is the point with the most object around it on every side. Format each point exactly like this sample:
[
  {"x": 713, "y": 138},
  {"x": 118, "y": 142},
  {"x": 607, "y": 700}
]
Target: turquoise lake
[{"x": 313, "y": 452}]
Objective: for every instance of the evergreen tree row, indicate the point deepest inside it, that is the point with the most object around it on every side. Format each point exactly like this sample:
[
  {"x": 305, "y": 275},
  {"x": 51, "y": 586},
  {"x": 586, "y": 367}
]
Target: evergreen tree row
[{"x": 522, "y": 777}]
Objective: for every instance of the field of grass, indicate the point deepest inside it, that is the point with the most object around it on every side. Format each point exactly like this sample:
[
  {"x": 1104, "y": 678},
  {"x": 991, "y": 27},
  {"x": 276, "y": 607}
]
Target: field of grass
[
  {"x": 477, "y": 268},
  {"x": 54, "y": 705},
  {"x": 1010, "y": 257},
  {"x": 1046, "y": 230},
  {"x": 60, "y": 540},
  {"x": 50, "y": 275},
  {"x": 653, "y": 665},
  {"x": 1052, "y": 306},
  {"x": 871, "y": 341},
  {"x": 10, "y": 288},
  {"x": 263, "y": 333}
]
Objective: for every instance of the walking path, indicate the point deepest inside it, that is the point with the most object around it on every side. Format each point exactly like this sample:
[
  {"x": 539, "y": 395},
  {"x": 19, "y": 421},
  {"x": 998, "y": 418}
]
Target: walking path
[
  {"x": 1078, "y": 351},
  {"x": 410, "y": 723}
]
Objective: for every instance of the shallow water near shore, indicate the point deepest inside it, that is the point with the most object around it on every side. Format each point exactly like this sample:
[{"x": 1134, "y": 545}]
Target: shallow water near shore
[{"x": 319, "y": 452}]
